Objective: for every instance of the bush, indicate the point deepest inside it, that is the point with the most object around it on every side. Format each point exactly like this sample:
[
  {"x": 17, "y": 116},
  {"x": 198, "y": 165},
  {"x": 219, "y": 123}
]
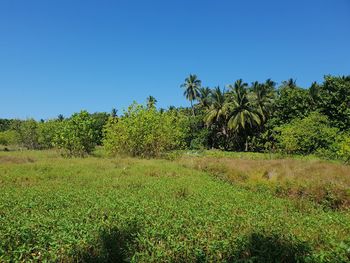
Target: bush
[
  {"x": 344, "y": 149},
  {"x": 8, "y": 138},
  {"x": 308, "y": 135},
  {"x": 145, "y": 132},
  {"x": 76, "y": 135},
  {"x": 28, "y": 133},
  {"x": 47, "y": 133}
]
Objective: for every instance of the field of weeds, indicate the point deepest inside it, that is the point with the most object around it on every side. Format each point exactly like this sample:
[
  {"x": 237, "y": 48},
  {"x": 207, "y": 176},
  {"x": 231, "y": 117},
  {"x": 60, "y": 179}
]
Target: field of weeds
[
  {"x": 302, "y": 178},
  {"x": 99, "y": 209}
]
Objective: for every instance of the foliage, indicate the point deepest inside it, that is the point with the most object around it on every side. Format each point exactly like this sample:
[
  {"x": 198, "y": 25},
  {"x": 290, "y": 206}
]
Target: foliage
[
  {"x": 307, "y": 135},
  {"x": 76, "y": 135},
  {"x": 8, "y": 137},
  {"x": 192, "y": 87},
  {"x": 298, "y": 178},
  {"x": 344, "y": 149},
  {"x": 145, "y": 132},
  {"x": 334, "y": 100},
  {"x": 113, "y": 210},
  {"x": 292, "y": 102},
  {"x": 47, "y": 133},
  {"x": 28, "y": 133},
  {"x": 99, "y": 121}
]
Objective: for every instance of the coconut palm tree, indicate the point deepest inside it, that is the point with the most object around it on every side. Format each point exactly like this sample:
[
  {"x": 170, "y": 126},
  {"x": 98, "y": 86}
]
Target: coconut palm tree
[
  {"x": 262, "y": 98},
  {"x": 241, "y": 113},
  {"x": 192, "y": 85},
  {"x": 151, "y": 102},
  {"x": 216, "y": 112},
  {"x": 204, "y": 97},
  {"x": 290, "y": 83}
]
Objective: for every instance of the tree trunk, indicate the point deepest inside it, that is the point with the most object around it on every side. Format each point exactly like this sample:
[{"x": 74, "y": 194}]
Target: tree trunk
[
  {"x": 192, "y": 108},
  {"x": 246, "y": 144}
]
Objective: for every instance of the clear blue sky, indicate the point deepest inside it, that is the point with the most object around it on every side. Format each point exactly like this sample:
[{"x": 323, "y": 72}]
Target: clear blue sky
[{"x": 61, "y": 56}]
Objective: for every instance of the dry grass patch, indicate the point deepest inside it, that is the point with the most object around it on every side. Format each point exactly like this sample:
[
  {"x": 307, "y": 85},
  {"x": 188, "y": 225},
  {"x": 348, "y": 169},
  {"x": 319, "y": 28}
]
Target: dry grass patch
[{"x": 323, "y": 182}]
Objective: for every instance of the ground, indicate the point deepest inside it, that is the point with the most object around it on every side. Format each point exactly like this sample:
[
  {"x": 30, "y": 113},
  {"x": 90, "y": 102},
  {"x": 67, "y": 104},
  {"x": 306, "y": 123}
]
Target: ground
[{"x": 126, "y": 209}]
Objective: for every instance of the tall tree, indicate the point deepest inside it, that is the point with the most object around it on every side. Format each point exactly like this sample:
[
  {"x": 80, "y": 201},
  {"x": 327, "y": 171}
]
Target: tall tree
[
  {"x": 205, "y": 97},
  {"x": 192, "y": 85},
  {"x": 60, "y": 117},
  {"x": 263, "y": 97},
  {"x": 240, "y": 110},
  {"x": 216, "y": 111},
  {"x": 151, "y": 102},
  {"x": 114, "y": 112},
  {"x": 290, "y": 83}
]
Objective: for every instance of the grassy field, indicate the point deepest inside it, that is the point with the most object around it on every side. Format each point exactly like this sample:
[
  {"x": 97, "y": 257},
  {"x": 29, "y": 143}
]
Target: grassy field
[{"x": 122, "y": 209}]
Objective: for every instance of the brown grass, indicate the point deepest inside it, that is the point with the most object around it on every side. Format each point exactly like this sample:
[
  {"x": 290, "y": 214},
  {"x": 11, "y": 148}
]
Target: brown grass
[
  {"x": 323, "y": 182},
  {"x": 15, "y": 160}
]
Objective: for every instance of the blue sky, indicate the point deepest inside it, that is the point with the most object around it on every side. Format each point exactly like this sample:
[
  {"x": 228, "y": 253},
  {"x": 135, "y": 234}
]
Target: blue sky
[{"x": 64, "y": 56}]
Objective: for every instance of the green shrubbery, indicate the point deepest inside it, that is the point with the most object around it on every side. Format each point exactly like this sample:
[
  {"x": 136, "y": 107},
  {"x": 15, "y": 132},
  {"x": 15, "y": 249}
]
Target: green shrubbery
[
  {"x": 344, "y": 149},
  {"x": 8, "y": 137},
  {"x": 307, "y": 135},
  {"x": 76, "y": 135},
  {"x": 145, "y": 132}
]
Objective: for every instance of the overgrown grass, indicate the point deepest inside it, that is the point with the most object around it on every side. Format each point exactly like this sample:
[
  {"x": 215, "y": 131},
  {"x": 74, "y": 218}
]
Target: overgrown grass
[
  {"x": 323, "y": 182},
  {"x": 123, "y": 209}
]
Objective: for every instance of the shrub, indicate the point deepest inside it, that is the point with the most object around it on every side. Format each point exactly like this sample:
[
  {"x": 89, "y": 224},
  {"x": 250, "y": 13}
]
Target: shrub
[
  {"x": 144, "y": 132},
  {"x": 307, "y": 135},
  {"x": 8, "y": 138},
  {"x": 28, "y": 134},
  {"x": 47, "y": 133},
  {"x": 76, "y": 135},
  {"x": 344, "y": 149}
]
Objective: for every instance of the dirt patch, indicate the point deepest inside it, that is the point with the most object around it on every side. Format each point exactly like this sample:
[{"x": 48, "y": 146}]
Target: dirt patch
[{"x": 15, "y": 160}]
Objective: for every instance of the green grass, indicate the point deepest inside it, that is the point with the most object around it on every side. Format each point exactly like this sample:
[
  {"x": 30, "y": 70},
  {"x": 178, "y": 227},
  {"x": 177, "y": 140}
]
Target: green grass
[{"x": 123, "y": 209}]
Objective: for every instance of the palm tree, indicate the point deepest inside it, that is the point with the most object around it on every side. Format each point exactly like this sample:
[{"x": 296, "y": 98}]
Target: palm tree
[
  {"x": 192, "y": 85},
  {"x": 262, "y": 97},
  {"x": 205, "y": 97},
  {"x": 216, "y": 112},
  {"x": 290, "y": 83},
  {"x": 60, "y": 117},
  {"x": 240, "y": 110},
  {"x": 151, "y": 102},
  {"x": 114, "y": 112}
]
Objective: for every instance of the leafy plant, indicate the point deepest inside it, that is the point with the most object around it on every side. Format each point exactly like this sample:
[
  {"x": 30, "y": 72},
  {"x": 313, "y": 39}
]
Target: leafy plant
[
  {"x": 76, "y": 135},
  {"x": 145, "y": 132}
]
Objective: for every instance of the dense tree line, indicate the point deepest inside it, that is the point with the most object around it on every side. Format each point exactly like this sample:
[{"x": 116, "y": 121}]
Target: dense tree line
[{"x": 259, "y": 116}]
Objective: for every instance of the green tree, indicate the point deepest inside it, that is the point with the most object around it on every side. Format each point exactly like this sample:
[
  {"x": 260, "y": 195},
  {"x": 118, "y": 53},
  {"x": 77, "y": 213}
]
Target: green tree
[
  {"x": 151, "y": 102},
  {"x": 291, "y": 103},
  {"x": 334, "y": 100},
  {"x": 192, "y": 89},
  {"x": 100, "y": 120},
  {"x": 205, "y": 97},
  {"x": 145, "y": 132},
  {"x": 114, "y": 112},
  {"x": 47, "y": 132},
  {"x": 241, "y": 113},
  {"x": 28, "y": 134},
  {"x": 263, "y": 98},
  {"x": 77, "y": 136},
  {"x": 307, "y": 135}
]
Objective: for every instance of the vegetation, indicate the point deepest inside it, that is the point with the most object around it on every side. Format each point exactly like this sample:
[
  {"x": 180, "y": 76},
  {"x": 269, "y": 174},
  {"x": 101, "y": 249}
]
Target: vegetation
[
  {"x": 145, "y": 132},
  {"x": 257, "y": 117},
  {"x": 153, "y": 211},
  {"x": 77, "y": 135},
  {"x": 271, "y": 196},
  {"x": 321, "y": 182}
]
